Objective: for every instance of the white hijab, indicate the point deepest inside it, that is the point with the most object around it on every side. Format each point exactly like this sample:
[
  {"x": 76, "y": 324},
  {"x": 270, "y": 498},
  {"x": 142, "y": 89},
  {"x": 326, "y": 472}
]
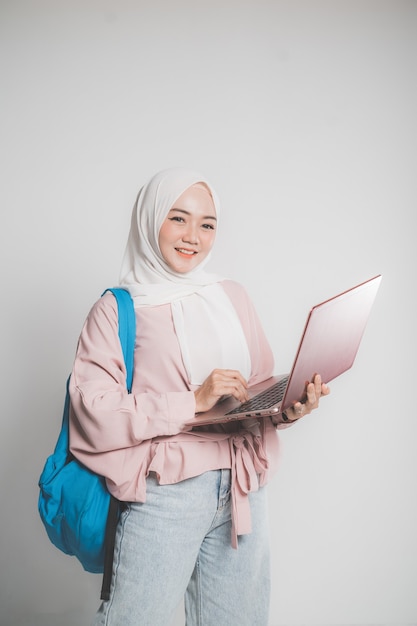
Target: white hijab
[{"x": 207, "y": 326}]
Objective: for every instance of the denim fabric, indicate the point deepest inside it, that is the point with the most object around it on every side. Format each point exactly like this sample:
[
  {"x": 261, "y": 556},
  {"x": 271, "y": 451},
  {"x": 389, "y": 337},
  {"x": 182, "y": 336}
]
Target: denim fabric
[{"x": 179, "y": 542}]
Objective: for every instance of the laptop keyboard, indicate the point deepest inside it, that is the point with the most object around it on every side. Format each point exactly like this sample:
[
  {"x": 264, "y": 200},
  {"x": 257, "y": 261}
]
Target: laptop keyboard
[{"x": 263, "y": 400}]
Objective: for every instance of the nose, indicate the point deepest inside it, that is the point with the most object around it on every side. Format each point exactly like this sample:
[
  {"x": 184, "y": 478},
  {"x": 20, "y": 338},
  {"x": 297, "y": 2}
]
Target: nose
[{"x": 191, "y": 235}]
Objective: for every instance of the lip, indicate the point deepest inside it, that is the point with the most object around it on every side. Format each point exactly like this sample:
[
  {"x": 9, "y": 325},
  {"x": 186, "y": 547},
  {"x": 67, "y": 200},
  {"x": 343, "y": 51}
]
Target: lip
[{"x": 186, "y": 252}]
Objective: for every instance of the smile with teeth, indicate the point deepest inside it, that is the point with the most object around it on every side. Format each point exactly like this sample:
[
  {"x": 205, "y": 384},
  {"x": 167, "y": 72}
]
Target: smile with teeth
[{"x": 186, "y": 252}]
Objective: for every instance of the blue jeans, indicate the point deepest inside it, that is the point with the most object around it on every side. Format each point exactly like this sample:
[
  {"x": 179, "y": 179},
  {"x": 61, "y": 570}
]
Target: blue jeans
[{"x": 179, "y": 543}]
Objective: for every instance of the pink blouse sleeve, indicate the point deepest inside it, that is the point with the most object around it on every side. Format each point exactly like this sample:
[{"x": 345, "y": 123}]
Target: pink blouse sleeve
[{"x": 104, "y": 416}]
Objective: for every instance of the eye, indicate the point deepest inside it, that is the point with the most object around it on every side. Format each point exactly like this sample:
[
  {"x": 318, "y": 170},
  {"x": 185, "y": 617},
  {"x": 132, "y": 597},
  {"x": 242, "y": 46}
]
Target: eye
[
  {"x": 208, "y": 226},
  {"x": 176, "y": 218}
]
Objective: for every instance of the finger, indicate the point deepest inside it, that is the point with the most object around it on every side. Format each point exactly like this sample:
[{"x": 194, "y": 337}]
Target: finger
[
  {"x": 321, "y": 388},
  {"x": 312, "y": 395},
  {"x": 236, "y": 375},
  {"x": 235, "y": 384},
  {"x": 238, "y": 391},
  {"x": 314, "y": 390},
  {"x": 317, "y": 384},
  {"x": 229, "y": 387},
  {"x": 297, "y": 411},
  {"x": 229, "y": 375},
  {"x": 325, "y": 390}
]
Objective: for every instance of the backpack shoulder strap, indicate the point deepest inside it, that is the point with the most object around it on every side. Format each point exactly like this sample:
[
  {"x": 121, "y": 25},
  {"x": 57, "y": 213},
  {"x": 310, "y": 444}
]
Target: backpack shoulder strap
[
  {"x": 127, "y": 335},
  {"x": 127, "y": 329}
]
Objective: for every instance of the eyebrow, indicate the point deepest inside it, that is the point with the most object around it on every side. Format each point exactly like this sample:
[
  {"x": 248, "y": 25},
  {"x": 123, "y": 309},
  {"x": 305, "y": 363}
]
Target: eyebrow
[{"x": 206, "y": 217}]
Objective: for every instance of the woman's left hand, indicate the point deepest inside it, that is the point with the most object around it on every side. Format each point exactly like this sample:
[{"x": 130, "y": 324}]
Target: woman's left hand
[{"x": 314, "y": 391}]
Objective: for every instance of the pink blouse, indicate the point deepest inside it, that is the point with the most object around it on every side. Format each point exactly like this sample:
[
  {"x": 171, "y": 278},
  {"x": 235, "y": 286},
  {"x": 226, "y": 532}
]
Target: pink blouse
[{"x": 125, "y": 436}]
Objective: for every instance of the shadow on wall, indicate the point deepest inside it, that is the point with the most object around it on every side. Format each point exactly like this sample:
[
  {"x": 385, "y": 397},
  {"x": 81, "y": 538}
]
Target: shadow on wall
[{"x": 71, "y": 617}]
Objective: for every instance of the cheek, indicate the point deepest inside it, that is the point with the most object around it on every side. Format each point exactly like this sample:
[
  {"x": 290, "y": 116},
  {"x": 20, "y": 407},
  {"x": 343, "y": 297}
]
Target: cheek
[
  {"x": 165, "y": 233},
  {"x": 210, "y": 239}
]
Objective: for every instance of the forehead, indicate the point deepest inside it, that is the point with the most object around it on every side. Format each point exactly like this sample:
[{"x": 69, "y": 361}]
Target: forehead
[{"x": 196, "y": 199}]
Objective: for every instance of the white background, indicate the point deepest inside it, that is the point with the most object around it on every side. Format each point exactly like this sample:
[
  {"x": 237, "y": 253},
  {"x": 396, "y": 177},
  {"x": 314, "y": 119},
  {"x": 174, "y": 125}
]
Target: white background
[{"x": 303, "y": 115}]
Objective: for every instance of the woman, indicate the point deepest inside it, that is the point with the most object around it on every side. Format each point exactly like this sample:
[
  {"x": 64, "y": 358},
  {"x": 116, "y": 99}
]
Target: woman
[{"x": 196, "y": 521}]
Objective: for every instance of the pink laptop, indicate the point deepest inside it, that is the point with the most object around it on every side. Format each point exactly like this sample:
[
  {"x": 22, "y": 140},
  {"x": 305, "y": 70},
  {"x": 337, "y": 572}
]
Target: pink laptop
[{"x": 328, "y": 346}]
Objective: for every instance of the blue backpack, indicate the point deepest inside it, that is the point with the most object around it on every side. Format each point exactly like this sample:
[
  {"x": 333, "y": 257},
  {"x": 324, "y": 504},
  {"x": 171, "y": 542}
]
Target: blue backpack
[{"x": 78, "y": 513}]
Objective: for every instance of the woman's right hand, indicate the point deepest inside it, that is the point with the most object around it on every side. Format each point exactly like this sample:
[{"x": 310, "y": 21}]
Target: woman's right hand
[{"x": 218, "y": 384}]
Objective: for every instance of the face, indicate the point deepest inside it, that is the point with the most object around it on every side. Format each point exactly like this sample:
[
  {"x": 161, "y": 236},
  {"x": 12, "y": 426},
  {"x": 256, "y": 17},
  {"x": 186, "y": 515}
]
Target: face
[{"x": 188, "y": 232}]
